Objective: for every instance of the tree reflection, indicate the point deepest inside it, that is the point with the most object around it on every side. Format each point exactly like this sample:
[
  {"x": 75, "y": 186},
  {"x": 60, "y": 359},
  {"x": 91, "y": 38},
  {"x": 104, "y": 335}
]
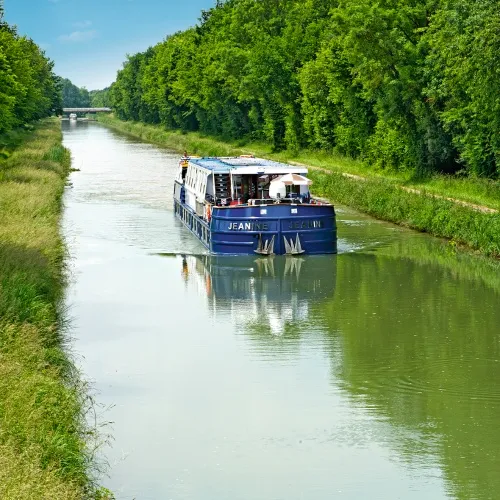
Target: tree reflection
[
  {"x": 412, "y": 334},
  {"x": 420, "y": 347}
]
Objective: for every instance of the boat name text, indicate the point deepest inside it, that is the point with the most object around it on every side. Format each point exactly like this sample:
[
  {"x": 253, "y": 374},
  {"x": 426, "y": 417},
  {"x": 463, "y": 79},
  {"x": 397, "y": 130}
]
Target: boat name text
[
  {"x": 248, "y": 226},
  {"x": 264, "y": 226},
  {"x": 306, "y": 224}
]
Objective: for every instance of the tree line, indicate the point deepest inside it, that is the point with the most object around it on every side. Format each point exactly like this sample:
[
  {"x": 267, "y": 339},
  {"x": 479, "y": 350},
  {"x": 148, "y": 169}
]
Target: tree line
[
  {"x": 80, "y": 97},
  {"x": 29, "y": 89},
  {"x": 401, "y": 84},
  {"x": 73, "y": 96}
]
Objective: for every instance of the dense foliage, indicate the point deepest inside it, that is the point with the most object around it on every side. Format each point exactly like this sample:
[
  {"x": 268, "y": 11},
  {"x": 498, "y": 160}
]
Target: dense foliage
[
  {"x": 80, "y": 97},
  {"x": 73, "y": 96},
  {"x": 29, "y": 90},
  {"x": 401, "y": 84},
  {"x": 100, "y": 98}
]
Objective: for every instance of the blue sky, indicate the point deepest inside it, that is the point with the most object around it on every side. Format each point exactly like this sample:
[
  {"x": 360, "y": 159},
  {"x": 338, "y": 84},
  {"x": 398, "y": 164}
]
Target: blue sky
[{"x": 88, "y": 39}]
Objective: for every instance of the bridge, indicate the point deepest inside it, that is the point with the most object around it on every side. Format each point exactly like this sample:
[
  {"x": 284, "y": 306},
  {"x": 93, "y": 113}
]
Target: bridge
[{"x": 87, "y": 110}]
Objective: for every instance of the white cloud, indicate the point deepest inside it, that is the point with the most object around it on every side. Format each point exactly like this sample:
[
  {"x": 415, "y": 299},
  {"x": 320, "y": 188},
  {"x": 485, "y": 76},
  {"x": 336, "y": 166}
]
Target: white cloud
[
  {"x": 83, "y": 24},
  {"x": 79, "y": 36}
]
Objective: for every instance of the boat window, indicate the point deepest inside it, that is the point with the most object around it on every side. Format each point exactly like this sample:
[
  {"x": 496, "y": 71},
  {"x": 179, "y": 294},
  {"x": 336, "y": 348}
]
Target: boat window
[{"x": 199, "y": 181}]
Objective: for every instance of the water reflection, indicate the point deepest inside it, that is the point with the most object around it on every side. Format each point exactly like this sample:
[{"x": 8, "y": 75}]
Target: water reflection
[
  {"x": 412, "y": 335},
  {"x": 421, "y": 347},
  {"x": 271, "y": 294}
]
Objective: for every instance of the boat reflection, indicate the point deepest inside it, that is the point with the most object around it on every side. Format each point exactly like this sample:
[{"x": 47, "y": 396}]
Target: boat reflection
[{"x": 273, "y": 292}]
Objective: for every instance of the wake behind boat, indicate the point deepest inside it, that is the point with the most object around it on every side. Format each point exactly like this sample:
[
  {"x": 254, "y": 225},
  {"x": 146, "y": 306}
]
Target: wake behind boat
[{"x": 246, "y": 205}]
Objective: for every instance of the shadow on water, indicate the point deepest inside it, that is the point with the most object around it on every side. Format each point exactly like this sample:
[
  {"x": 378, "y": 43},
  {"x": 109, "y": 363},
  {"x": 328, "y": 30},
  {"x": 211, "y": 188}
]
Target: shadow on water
[{"x": 411, "y": 333}]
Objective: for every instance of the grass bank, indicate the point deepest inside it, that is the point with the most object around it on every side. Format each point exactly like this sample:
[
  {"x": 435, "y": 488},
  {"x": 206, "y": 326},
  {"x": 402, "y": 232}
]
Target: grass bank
[
  {"x": 44, "y": 440},
  {"x": 11, "y": 140},
  {"x": 379, "y": 198},
  {"x": 380, "y": 195}
]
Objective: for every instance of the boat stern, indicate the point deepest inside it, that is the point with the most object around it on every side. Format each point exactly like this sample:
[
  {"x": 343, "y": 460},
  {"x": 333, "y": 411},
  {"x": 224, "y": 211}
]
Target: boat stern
[{"x": 281, "y": 229}]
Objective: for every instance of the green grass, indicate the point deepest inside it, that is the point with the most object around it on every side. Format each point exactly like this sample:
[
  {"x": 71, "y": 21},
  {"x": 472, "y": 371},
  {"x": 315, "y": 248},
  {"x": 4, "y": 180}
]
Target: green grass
[
  {"x": 9, "y": 141},
  {"x": 478, "y": 191},
  {"x": 462, "y": 225},
  {"x": 379, "y": 196},
  {"x": 45, "y": 444}
]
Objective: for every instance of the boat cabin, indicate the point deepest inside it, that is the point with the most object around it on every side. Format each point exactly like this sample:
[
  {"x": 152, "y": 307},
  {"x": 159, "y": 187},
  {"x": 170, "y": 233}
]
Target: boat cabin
[{"x": 242, "y": 180}]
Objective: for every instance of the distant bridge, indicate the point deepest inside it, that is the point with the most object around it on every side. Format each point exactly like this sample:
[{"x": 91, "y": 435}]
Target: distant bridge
[{"x": 87, "y": 110}]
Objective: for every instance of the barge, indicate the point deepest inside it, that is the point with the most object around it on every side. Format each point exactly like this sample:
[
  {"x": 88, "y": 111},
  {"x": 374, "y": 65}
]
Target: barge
[{"x": 246, "y": 206}]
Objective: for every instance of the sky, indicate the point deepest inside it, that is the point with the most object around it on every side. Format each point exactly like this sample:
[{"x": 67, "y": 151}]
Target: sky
[{"x": 88, "y": 39}]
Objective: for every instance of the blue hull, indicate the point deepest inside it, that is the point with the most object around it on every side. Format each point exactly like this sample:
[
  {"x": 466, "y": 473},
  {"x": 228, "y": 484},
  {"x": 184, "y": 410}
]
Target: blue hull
[{"x": 269, "y": 229}]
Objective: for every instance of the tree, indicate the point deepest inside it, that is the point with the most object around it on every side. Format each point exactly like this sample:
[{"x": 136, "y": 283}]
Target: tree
[
  {"x": 73, "y": 96},
  {"x": 375, "y": 80},
  {"x": 100, "y": 98},
  {"x": 464, "y": 41},
  {"x": 28, "y": 87}
]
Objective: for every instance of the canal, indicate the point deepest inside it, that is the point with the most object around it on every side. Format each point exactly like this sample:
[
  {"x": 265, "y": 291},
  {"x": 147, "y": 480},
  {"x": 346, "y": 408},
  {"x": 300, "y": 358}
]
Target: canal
[{"x": 371, "y": 374}]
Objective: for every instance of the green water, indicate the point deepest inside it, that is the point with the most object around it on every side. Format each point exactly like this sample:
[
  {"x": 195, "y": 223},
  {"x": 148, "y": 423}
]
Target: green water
[{"x": 371, "y": 374}]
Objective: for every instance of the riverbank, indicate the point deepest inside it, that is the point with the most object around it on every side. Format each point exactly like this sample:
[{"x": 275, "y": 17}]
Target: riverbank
[
  {"x": 44, "y": 440},
  {"x": 476, "y": 191},
  {"x": 383, "y": 197}
]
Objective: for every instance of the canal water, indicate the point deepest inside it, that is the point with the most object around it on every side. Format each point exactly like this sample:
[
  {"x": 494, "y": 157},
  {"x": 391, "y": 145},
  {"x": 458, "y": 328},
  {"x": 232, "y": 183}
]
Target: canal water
[{"x": 373, "y": 374}]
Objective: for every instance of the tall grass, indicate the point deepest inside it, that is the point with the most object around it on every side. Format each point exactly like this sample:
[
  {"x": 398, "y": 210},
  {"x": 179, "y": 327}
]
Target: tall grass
[
  {"x": 10, "y": 140},
  {"x": 380, "y": 195},
  {"x": 45, "y": 447}
]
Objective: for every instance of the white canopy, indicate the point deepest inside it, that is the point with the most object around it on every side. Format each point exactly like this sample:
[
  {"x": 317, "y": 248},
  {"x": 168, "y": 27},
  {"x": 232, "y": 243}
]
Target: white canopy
[{"x": 293, "y": 180}]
